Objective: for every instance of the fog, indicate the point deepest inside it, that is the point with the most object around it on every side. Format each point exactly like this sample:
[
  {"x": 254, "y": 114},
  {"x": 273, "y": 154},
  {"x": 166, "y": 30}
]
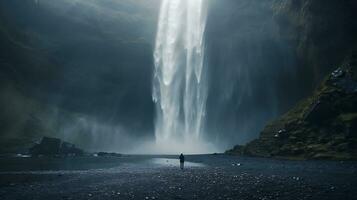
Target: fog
[{"x": 93, "y": 82}]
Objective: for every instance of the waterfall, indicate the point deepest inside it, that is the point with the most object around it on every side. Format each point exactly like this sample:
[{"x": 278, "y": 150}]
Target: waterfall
[{"x": 179, "y": 85}]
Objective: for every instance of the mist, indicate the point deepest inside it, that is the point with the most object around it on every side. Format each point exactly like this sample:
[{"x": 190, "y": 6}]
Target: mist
[{"x": 93, "y": 81}]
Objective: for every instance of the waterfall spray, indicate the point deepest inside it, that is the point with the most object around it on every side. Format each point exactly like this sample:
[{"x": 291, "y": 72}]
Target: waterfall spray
[{"x": 179, "y": 85}]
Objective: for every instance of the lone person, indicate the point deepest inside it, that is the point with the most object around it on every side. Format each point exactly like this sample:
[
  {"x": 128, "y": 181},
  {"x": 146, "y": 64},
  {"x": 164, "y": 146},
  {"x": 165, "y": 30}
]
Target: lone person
[{"x": 182, "y": 161}]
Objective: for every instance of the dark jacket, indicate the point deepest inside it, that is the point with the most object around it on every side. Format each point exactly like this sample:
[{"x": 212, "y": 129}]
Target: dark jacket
[{"x": 182, "y": 158}]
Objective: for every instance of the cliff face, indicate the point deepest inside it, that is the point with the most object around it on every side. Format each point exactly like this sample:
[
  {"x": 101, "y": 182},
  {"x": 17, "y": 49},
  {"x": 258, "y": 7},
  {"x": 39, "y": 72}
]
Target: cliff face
[
  {"x": 322, "y": 33},
  {"x": 324, "y": 124},
  {"x": 63, "y": 62},
  {"x": 70, "y": 69},
  {"x": 251, "y": 68},
  {"x": 265, "y": 56}
]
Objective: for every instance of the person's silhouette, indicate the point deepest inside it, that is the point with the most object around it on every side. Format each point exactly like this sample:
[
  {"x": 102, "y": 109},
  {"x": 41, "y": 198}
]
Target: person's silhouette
[{"x": 182, "y": 161}]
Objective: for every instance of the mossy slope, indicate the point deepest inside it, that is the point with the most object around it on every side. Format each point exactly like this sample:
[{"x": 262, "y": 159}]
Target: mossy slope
[{"x": 323, "y": 126}]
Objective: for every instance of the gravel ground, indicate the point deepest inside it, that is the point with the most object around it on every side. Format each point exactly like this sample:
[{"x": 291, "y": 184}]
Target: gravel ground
[{"x": 159, "y": 177}]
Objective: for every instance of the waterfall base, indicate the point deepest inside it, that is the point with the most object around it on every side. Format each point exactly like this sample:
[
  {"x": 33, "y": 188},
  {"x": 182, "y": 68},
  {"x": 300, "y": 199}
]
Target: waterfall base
[{"x": 173, "y": 147}]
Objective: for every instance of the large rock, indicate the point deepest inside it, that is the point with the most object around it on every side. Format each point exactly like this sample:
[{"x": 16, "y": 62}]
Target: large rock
[{"x": 53, "y": 147}]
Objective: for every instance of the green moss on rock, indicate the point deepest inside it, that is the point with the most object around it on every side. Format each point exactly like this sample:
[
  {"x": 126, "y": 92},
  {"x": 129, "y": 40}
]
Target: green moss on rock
[{"x": 322, "y": 126}]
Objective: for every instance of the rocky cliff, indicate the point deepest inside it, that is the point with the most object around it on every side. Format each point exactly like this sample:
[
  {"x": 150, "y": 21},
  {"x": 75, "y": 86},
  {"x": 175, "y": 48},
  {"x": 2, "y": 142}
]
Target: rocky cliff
[
  {"x": 323, "y": 125},
  {"x": 321, "y": 32},
  {"x": 63, "y": 62}
]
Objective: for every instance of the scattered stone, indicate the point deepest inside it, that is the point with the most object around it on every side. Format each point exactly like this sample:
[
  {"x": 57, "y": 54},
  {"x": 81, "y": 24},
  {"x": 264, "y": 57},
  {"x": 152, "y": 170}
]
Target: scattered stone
[
  {"x": 280, "y": 133},
  {"x": 22, "y": 155},
  {"x": 337, "y": 73}
]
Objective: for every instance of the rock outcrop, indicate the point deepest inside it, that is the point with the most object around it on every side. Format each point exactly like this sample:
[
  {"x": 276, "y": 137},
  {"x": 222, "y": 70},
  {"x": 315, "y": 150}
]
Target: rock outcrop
[
  {"x": 106, "y": 154},
  {"x": 322, "y": 32},
  {"x": 323, "y": 126},
  {"x": 55, "y": 147}
]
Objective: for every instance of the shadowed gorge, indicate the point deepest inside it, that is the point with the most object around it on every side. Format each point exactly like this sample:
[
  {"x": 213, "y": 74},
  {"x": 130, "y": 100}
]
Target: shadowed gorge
[
  {"x": 178, "y": 99},
  {"x": 63, "y": 56},
  {"x": 124, "y": 76}
]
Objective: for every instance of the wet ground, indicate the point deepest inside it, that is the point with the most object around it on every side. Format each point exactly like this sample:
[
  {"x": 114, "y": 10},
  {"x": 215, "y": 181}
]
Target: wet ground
[{"x": 159, "y": 177}]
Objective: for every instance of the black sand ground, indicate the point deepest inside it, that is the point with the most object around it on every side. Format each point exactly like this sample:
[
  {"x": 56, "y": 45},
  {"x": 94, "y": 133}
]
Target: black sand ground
[{"x": 158, "y": 177}]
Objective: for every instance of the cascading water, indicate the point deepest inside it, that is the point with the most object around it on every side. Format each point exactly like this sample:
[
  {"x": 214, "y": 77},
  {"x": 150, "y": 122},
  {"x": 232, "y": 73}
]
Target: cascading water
[{"x": 179, "y": 85}]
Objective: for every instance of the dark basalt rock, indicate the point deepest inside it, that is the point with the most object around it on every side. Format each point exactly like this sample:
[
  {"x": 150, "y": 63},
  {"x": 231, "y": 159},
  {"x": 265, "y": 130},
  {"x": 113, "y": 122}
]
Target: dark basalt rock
[
  {"x": 319, "y": 112},
  {"x": 237, "y": 150},
  {"x": 53, "y": 147},
  {"x": 105, "y": 154},
  {"x": 48, "y": 146},
  {"x": 323, "y": 126}
]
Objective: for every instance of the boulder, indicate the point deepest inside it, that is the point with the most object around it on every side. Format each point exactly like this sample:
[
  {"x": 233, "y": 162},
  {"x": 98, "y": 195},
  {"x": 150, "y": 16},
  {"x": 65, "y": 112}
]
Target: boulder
[
  {"x": 55, "y": 147},
  {"x": 48, "y": 146},
  {"x": 70, "y": 149}
]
